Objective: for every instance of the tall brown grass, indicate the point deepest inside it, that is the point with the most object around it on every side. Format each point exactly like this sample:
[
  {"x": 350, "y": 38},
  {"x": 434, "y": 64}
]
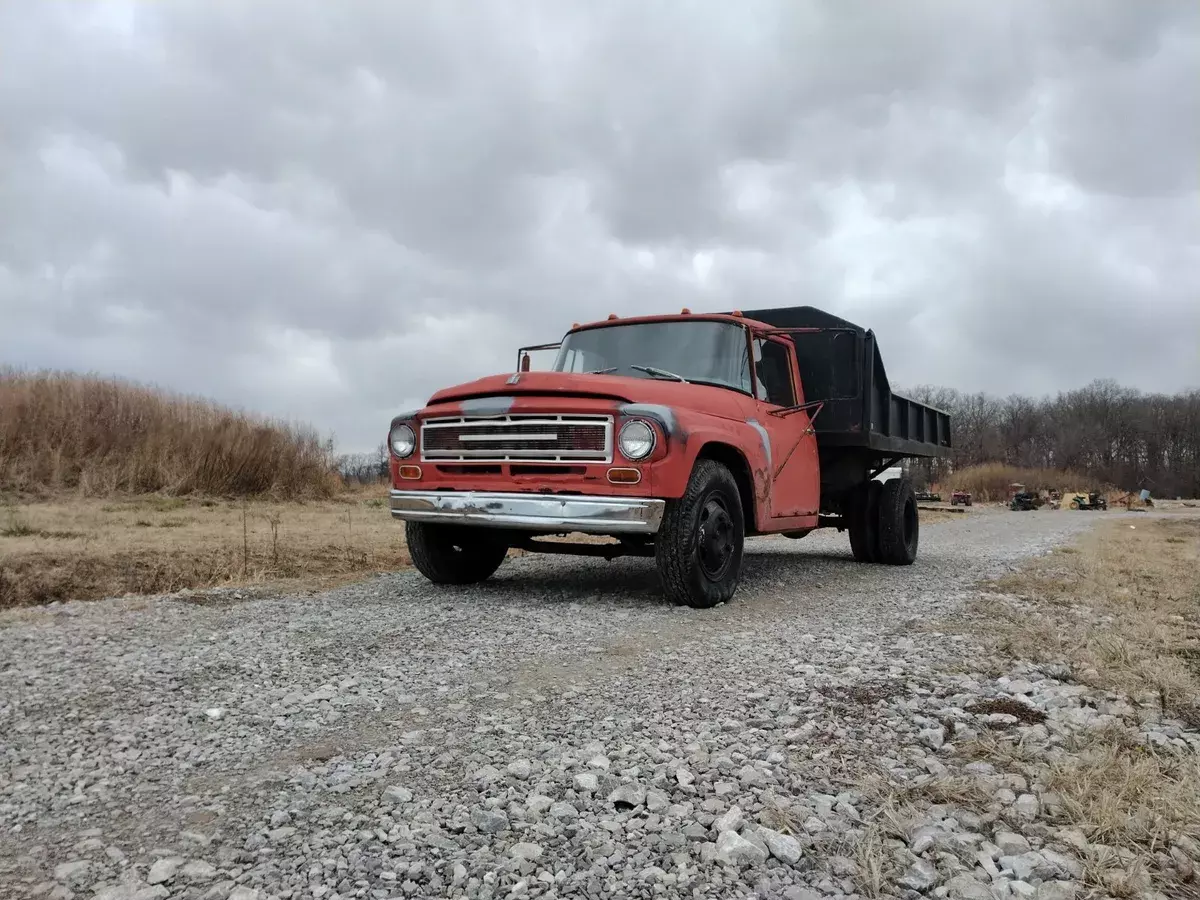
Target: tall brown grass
[
  {"x": 991, "y": 481},
  {"x": 104, "y": 435}
]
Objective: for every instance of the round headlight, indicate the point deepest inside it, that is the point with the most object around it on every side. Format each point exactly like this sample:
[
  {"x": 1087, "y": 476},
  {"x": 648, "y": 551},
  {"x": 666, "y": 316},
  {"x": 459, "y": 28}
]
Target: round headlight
[
  {"x": 402, "y": 440},
  {"x": 637, "y": 440}
]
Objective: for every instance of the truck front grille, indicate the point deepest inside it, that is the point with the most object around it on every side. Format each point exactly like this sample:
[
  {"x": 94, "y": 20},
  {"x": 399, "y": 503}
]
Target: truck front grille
[{"x": 525, "y": 438}]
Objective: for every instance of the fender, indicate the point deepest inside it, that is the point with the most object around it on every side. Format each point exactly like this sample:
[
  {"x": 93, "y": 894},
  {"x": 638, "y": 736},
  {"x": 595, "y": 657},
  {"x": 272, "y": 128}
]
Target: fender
[{"x": 700, "y": 431}]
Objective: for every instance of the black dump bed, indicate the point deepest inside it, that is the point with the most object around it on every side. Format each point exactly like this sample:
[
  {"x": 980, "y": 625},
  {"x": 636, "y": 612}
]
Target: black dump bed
[{"x": 840, "y": 364}]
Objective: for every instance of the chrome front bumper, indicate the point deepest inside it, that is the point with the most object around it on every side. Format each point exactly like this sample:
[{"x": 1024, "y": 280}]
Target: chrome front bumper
[{"x": 551, "y": 513}]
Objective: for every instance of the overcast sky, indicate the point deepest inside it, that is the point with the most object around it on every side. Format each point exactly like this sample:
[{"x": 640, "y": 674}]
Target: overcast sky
[{"x": 328, "y": 210}]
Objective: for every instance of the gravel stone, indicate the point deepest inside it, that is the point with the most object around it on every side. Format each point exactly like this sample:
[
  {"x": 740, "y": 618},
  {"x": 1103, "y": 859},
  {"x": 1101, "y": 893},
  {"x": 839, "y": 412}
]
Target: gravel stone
[
  {"x": 933, "y": 738},
  {"x": 563, "y": 810},
  {"x": 73, "y": 872},
  {"x": 1011, "y": 844},
  {"x": 525, "y": 851},
  {"x": 923, "y": 838},
  {"x": 489, "y": 821},
  {"x": 1018, "y": 686},
  {"x": 1058, "y": 866},
  {"x": 1026, "y": 807},
  {"x": 783, "y": 847},
  {"x": 163, "y": 870},
  {"x": 730, "y": 821},
  {"x": 198, "y": 871},
  {"x": 395, "y": 795},
  {"x": 921, "y": 876},
  {"x": 1023, "y": 866},
  {"x": 735, "y": 850},
  {"x": 967, "y": 887},
  {"x": 628, "y": 795},
  {"x": 657, "y": 801}
]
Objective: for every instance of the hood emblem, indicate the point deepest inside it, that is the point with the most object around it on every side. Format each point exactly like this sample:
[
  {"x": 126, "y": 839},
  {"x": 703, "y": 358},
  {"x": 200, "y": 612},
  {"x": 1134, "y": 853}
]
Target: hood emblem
[{"x": 513, "y": 379}]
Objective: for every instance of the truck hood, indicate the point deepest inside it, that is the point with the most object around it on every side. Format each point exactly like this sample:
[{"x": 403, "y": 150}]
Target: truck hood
[
  {"x": 618, "y": 388},
  {"x": 545, "y": 383}
]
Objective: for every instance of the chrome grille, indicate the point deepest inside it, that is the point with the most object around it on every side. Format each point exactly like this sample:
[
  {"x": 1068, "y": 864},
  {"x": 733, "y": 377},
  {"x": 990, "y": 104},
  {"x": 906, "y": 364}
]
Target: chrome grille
[{"x": 526, "y": 438}]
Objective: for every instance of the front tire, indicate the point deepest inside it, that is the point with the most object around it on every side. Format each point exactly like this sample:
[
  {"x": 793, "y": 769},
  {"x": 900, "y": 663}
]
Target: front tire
[
  {"x": 454, "y": 554},
  {"x": 699, "y": 545},
  {"x": 899, "y": 523}
]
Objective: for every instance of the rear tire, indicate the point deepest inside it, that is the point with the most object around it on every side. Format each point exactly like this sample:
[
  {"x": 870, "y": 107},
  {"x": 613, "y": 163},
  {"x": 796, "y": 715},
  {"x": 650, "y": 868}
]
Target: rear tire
[
  {"x": 699, "y": 545},
  {"x": 455, "y": 554},
  {"x": 899, "y": 523},
  {"x": 864, "y": 522}
]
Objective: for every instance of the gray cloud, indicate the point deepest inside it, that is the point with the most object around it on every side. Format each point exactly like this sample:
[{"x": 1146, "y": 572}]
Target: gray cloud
[{"x": 327, "y": 211}]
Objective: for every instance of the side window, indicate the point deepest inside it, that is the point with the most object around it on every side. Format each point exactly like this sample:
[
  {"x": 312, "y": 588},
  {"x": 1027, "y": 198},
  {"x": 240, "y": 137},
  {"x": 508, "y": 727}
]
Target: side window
[{"x": 773, "y": 368}]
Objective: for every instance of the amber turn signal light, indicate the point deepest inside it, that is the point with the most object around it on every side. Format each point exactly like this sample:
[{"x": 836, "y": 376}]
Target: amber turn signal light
[
  {"x": 624, "y": 476},
  {"x": 410, "y": 473}
]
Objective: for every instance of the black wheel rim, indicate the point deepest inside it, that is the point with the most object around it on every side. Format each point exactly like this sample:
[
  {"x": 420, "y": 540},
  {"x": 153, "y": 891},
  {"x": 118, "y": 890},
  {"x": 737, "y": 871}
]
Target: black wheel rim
[{"x": 715, "y": 544}]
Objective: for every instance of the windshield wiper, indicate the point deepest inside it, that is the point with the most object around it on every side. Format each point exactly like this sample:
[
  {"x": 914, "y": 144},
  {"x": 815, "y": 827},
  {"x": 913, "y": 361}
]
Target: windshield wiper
[
  {"x": 601, "y": 371},
  {"x": 659, "y": 373}
]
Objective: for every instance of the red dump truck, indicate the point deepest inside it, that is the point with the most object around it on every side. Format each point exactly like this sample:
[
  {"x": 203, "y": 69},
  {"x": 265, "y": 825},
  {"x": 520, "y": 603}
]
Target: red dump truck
[{"x": 678, "y": 436}]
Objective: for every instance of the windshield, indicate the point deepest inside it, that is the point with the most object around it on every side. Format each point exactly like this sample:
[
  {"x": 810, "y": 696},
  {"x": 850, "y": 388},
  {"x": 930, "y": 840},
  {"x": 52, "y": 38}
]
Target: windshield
[{"x": 704, "y": 352}]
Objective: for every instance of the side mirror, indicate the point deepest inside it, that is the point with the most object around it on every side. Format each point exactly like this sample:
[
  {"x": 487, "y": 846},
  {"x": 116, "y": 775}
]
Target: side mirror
[{"x": 524, "y": 362}]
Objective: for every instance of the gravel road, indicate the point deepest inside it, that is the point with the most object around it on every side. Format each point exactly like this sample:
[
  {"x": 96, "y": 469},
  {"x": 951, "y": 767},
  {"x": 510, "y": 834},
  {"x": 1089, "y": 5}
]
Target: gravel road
[{"x": 556, "y": 732}]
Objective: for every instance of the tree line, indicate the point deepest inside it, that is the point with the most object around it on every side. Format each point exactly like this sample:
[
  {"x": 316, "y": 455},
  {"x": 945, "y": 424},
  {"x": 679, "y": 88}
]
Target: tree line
[
  {"x": 1117, "y": 435},
  {"x": 364, "y": 468}
]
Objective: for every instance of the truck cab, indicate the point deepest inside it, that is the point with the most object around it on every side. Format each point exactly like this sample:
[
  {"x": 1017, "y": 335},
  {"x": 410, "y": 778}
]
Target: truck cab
[{"x": 677, "y": 436}]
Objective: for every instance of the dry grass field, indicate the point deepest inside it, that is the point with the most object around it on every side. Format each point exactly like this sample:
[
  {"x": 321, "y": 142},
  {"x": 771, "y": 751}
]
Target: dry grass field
[
  {"x": 88, "y": 548},
  {"x": 1143, "y": 581},
  {"x": 109, "y": 487}
]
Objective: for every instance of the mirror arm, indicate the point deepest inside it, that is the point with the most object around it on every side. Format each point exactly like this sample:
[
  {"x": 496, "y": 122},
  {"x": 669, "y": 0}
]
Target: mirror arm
[{"x": 803, "y": 407}]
